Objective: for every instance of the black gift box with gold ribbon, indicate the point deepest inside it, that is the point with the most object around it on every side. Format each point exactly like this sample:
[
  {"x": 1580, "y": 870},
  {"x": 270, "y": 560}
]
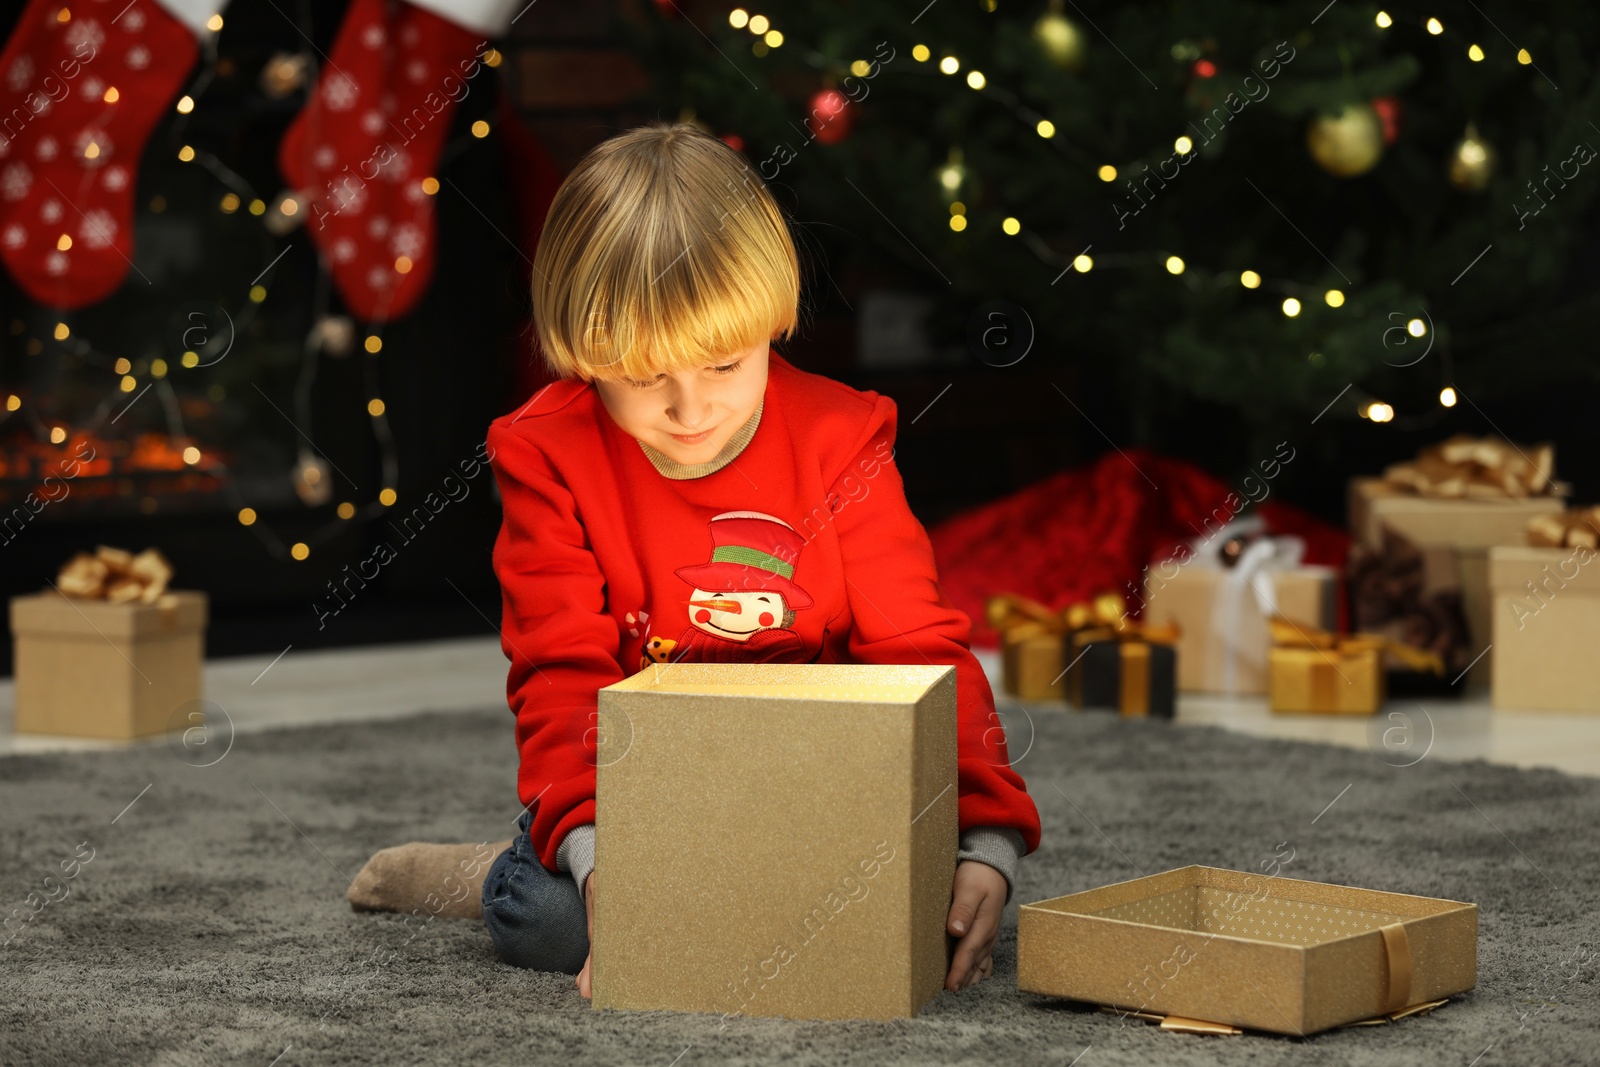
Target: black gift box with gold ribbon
[{"x": 1132, "y": 669}]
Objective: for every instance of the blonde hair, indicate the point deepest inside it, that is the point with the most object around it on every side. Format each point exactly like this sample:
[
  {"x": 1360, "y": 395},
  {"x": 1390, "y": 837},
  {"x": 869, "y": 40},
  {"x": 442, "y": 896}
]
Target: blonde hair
[{"x": 663, "y": 250}]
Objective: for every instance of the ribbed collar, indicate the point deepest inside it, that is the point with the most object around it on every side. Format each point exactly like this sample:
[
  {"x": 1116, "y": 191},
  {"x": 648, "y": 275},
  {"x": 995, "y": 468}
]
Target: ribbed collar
[{"x": 671, "y": 468}]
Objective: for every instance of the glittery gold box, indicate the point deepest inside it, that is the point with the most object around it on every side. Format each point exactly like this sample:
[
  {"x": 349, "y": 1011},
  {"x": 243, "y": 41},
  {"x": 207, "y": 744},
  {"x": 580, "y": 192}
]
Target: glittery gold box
[
  {"x": 1200, "y": 946},
  {"x": 775, "y": 839}
]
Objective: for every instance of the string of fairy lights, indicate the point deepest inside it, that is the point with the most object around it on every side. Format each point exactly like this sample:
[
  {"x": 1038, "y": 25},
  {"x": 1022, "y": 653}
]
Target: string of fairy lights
[
  {"x": 330, "y": 334},
  {"x": 1062, "y": 42}
]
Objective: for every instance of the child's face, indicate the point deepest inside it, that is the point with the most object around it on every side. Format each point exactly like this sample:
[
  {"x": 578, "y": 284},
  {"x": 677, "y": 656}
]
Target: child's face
[{"x": 689, "y": 415}]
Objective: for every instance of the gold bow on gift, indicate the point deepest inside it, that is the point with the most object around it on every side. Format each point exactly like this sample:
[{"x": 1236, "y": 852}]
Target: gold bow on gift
[
  {"x": 1579, "y": 527},
  {"x": 1032, "y": 639},
  {"x": 1479, "y": 468},
  {"x": 1289, "y": 634},
  {"x": 116, "y": 575},
  {"x": 1017, "y": 616}
]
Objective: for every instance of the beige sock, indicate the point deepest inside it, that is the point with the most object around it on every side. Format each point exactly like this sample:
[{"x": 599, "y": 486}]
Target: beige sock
[{"x": 426, "y": 879}]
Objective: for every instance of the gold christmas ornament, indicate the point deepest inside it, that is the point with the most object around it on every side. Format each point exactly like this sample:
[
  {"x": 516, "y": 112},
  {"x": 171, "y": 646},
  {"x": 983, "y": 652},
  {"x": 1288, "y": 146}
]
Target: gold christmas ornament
[
  {"x": 1472, "y": 164},
  {"x": 1061, "y": 41},
  {"x": 1347, "y": 142}
]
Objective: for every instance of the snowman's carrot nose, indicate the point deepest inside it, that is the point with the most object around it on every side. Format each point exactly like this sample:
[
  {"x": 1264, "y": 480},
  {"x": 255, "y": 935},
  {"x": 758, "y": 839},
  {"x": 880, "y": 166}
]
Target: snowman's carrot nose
[{"x": 731, "y": 606}]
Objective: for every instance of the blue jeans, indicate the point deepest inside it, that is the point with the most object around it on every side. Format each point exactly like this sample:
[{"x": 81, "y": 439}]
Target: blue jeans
[{"x": 536, "y": 919}]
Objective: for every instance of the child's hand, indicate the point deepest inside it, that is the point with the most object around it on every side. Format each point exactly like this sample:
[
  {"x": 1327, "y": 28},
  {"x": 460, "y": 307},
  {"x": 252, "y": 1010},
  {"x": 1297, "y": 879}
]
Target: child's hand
[
  {"x": 584, "y": 976},
  {"x": 978, "y": 896}
]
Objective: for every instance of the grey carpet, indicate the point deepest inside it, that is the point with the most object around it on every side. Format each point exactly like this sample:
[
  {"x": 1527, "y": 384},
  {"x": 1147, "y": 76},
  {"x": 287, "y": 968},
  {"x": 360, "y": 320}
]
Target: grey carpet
[{"x": 210, "y": 926}]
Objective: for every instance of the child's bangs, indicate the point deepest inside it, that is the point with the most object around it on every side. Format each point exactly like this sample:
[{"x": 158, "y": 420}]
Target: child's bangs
[{"x": 691, "y": 314}]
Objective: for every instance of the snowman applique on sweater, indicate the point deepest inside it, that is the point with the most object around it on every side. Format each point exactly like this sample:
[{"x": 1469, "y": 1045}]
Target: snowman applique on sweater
[{"x": 742, "y": 603}]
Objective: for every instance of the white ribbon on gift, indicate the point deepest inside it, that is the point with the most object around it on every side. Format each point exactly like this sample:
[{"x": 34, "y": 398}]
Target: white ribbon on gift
[{"x": 1243, "y": 633}]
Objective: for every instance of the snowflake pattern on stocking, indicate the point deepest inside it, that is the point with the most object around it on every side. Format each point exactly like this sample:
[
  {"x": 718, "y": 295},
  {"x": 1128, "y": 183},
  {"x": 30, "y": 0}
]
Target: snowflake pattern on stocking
[
  {"x": 85, "y": 33},
  {"x": 340, "y": 93},
  {"x": 407, "y": 240},
  {"x": 20, "y": 73},
  {"x": 98, "y": 229},
  {"x": 15, "y": 181}
]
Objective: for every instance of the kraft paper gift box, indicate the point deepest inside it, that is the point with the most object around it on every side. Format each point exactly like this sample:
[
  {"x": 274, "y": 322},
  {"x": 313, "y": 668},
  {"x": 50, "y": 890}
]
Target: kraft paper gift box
[
  {"x": 775, "y": 839},
  {"x": 1213, "y": 656},
  {"x": 1132, "y": 670},
  {"x": 1546, "y": 628},
  {"x": 92, "y": 668},
  {"x": 1209, "y": 949},
  {"x": 1468, "y": 494}
]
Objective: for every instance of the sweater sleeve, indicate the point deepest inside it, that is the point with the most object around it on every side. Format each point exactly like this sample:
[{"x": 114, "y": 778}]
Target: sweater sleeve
[
  {"x": 561, "y": 642},
  {"x": 902, "y": 616}
]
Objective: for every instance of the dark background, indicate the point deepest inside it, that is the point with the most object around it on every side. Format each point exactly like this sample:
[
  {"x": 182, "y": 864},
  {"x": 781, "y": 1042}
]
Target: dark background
[{"x": 462, "y": 357}]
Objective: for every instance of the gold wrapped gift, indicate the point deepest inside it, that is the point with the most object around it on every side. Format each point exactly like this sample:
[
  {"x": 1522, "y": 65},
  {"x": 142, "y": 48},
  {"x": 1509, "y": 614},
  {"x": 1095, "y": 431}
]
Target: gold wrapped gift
[
  {"x": 1312, "y": 670},
  {"x": 1032, "y": 639}
]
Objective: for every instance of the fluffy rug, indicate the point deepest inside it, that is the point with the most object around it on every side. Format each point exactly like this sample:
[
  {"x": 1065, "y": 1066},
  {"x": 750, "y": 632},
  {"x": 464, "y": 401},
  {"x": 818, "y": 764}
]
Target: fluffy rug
[{"x": 205, "y": 922}]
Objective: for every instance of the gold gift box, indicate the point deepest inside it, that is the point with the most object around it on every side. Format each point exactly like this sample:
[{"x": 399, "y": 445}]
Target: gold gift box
[
  {"x": 1204, "y": 945},
  {"x": 1347, "y": 682},
  {"x": 775, "y": 839},
  {"x": 1546, "y": 628},
  {"x": 92, "y": 668},
  {"x": 1030, "y": 663}
]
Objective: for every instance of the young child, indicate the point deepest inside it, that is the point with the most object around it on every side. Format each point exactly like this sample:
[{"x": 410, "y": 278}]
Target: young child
[{"x": 684, "y": 493}]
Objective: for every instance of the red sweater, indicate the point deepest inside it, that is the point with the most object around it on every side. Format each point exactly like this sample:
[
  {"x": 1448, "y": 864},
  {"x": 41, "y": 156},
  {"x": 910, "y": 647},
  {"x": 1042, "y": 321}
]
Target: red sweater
[{"x": 600, "y": 555}]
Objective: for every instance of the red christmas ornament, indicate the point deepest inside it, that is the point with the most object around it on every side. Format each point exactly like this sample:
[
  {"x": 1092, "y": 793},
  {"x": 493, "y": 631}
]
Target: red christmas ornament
[
  {"x": 367, "y": 141},
  {"x": 81, "y": 89},
  {"x": 831, "y": 116},
  {"x": 1204, "y": 68},
  {"x": 1389, "y": 114},
  {"x": 733, "y": 141}
]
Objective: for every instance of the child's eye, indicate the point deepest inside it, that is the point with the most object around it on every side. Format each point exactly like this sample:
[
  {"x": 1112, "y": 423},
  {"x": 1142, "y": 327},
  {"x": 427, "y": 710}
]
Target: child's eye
[
  {"x": 729, "y": 368},
  {"x": 641, "y": 385}
]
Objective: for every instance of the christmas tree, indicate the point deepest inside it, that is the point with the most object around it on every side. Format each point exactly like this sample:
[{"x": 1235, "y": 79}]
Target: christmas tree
[{"x": 1248, "y": 216}]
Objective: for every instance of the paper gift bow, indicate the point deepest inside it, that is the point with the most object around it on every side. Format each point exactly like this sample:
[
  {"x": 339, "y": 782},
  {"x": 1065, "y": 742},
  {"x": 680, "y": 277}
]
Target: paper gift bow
[
  {"x": 116, "y": 575},
  {"x": 1243, "y": 631},
  {"x": 1485, "y": 468}
]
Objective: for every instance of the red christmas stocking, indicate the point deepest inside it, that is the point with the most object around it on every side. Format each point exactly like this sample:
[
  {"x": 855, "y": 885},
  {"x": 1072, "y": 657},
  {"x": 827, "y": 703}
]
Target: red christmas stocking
[
  {"x": 81, "y": 87},
  {"x": 369, "y": 138}
]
